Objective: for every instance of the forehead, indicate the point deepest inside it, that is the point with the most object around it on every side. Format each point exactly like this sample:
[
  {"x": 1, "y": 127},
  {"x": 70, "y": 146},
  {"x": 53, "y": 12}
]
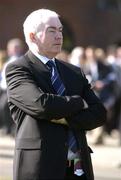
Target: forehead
[{"x": 53, "y": 22}]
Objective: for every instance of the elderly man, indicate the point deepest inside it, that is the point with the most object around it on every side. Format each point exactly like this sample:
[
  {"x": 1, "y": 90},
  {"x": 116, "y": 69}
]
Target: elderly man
[{"x": 47, "y": 102}]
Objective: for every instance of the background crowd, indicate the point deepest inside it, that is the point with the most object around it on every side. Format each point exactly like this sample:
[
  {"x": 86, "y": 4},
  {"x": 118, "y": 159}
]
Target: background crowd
[{"x": 102, "y": 67}]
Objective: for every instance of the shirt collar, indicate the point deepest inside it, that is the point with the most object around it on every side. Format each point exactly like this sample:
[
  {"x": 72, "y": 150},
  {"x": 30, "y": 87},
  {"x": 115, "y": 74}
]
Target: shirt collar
[{"x": 44, "y": 59}]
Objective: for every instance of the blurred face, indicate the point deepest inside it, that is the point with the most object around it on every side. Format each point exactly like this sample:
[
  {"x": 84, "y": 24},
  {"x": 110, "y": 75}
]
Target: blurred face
[
  {"x": 118, "y": 52},
  {"x": 14, "y": 49},
  {"x": 89, "y": 53},
  {"x": 49, "y": 39}
]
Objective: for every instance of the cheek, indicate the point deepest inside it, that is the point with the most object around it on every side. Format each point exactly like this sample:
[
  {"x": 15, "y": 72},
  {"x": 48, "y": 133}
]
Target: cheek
[
  {"x": 47, "y": 41},
  {"x": 40, "y": 37}
]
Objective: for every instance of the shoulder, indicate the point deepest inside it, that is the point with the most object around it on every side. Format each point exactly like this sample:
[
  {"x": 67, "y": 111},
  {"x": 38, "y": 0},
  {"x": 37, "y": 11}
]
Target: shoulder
[
  {"x": 18, "y": 70},
  {"x": 19, "y": 62},
  {"x": 69, "y": 67}
]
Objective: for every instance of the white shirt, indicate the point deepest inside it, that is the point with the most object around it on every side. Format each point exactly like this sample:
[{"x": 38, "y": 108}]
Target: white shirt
[{"x": 44, "y": 59}]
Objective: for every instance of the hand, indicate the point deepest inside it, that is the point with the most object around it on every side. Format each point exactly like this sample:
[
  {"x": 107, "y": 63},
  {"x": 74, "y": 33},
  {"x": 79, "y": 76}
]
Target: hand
[{"x": 60, "y": 121}]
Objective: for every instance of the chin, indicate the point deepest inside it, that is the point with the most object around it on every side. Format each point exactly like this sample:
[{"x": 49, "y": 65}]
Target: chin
[{"x": 57, "y": 51}]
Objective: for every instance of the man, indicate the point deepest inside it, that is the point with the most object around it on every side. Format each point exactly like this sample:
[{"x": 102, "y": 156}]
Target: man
[
  {"x": 44, "y": 114},
  {"x": 15, "y": 48}
]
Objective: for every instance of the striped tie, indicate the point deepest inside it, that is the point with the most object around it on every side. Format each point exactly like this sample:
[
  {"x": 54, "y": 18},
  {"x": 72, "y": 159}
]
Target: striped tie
[
  {"x": 55, "y": 78},
  {"x": 60, "y": 89}
]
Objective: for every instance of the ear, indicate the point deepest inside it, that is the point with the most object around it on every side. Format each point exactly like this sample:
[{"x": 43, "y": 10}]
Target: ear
[{"x": 32, "y": 37}]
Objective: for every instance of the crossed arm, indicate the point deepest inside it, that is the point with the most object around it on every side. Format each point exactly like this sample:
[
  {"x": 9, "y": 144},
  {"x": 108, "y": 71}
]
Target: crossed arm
[{"x": 25, "y": 95}]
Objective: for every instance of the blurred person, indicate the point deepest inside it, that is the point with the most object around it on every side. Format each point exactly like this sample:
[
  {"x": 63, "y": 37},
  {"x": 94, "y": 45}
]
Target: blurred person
[
  {"x": 90, "y": 69},
  {"x": 117, "y": 115},
  {"x": 102, "y": 78},
  {"x": 76, "y": 56},
  {"x": 63, "y": 55},
  {"x": 118, "y": 90},
  {"x": 15, "y": 49},
  {"x": 46, "y": 98},
  {"x": 116, "y": 66},
  {"x": 100, "y": 55},
  {"x": 110, "y": 54},
  {"x": 3, "y": 58},
  {"x": 102, "y": 75}
]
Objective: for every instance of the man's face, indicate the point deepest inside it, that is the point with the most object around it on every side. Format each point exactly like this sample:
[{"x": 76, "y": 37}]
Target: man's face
[{"x": 50, "y": 39}]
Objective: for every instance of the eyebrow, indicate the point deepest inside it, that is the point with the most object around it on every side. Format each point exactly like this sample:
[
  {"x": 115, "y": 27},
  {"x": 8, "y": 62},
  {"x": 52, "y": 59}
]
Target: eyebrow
[{"x": 53, "y": 27}]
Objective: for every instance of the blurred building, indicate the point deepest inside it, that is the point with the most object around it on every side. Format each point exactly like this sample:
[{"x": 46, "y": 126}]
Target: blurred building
[{"x": 86, "y": 22}]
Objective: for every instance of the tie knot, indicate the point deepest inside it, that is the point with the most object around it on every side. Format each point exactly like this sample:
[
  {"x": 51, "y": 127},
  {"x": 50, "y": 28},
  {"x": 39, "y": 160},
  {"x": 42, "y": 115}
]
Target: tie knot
[{"x": 50, "y": 64}]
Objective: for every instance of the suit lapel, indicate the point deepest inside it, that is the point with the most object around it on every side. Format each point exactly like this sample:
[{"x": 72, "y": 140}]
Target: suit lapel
[
  {"x": 43, "y": 71},
  {"x": 40, "y": 69},
  {"x": 61, "y": 71}
]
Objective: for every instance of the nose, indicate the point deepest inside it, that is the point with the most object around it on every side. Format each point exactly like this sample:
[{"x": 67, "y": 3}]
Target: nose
[{"x": 59, "y": 35}]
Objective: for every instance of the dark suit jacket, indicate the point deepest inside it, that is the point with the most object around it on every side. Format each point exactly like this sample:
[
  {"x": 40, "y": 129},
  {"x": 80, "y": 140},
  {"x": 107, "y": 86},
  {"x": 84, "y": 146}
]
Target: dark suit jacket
[{"x": 41, "y": 146}]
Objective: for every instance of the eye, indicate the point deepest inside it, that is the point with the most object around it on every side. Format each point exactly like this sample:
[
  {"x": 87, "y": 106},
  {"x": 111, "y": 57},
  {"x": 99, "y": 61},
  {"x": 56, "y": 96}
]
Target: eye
[{"x": 51, "y": 30}]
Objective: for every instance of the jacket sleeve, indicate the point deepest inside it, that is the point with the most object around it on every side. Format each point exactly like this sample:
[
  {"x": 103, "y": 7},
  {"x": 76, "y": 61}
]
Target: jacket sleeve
[
  {"x": 25, "y": 95},
  {"x": 93, "y": 115}
]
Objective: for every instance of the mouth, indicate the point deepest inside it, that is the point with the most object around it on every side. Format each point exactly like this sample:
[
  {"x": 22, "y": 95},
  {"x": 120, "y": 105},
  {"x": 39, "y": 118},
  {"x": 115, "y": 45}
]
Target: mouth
[{"x": 57, "y": 44}]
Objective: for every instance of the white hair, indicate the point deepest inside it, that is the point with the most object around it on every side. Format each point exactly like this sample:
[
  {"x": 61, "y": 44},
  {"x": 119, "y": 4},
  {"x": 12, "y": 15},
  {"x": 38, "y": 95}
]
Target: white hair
[{"x": 35, "y": 20}]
